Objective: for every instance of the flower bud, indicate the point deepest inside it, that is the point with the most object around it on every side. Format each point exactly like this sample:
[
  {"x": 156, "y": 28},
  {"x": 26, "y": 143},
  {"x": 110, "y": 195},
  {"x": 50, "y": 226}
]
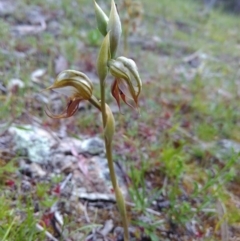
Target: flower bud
[
  {"x": 102, "y": 19},
  {"x": 115, "y": 29}
]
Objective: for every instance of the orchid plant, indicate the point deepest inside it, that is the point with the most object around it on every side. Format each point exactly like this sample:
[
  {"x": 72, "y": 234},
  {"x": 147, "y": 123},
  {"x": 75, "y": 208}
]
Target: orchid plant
[{"x": 126, "y": 86}]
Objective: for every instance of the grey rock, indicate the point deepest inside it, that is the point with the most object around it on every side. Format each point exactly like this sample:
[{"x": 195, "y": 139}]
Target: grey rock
[
  {"x": 93, "y": 146},
  {"x": 99, "y": 177},
  {"x": 26, "y": 186},
  {"x": 230, "y": 145},
  {"x": 46, "y": 154},
  {"x": 37, "y": 170},
  {"x": 42, "y": 146},
  {"x": 59, "y": 160},
  {"x": 35, "y": 141},
  {"x": 67, "y": 168},
  {"x": 68, "y": 144},
  {"x": 6, "y": 8},
  {"x": 225, "y": 149}
]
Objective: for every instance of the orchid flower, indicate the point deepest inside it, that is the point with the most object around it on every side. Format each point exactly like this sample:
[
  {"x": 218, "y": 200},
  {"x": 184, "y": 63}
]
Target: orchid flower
[
  {"x": 127, "y": 84},
  {"x": 77, "y": 87}
]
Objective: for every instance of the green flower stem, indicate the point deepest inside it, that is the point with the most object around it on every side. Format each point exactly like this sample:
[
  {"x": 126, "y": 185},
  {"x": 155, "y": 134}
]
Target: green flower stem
[
  {"x": 108, "y": 146},
  {"x": 103, "y": 107},
  {"x": 94, "y": 101}
]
